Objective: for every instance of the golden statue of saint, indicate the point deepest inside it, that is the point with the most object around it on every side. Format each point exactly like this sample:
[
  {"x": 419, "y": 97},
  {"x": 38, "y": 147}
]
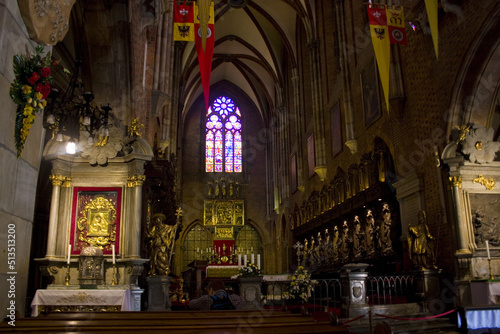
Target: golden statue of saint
[
  {"x": 160, "y": 241},
  {"x": 420, "y": 244}
]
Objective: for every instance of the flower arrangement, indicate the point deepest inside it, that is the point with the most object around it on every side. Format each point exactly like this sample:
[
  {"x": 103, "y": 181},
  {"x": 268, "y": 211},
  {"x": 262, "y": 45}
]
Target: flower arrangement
[
  {"x": 250, "y": 270},
  {"x": 300, "y": 287},
  {"x": 29, "y": 90}
]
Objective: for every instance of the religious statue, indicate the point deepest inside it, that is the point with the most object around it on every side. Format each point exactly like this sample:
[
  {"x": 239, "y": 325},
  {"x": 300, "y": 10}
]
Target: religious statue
[
  {"x": 345, "y": 243},
  {"x": 335, "y": 245},
  {"x": 313, "y": 260},
  {"x": 419, "y": 244},
  {"x": 318, "y": 252},
  {"x": 370, "y": 234},
  {"x": 160, "y": 241},
  {"x": 357, "y": 240},
  {"x": 327, "y": 248},
  {"x": 384, "y": 240},
  {"x": 305, "y": 259}
]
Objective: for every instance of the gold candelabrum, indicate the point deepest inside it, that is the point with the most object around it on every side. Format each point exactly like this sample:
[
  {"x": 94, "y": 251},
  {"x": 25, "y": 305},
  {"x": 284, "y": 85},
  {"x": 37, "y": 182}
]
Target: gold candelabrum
[
  {"x": 66, "y": 280},
  {"x": 491, "y": 273},
  {"x": 113, "y": 276}
]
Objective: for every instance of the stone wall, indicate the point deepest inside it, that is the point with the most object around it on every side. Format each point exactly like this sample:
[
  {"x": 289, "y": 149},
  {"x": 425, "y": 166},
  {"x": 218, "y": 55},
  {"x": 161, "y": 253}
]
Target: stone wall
[{"x": 18, "y": 176}]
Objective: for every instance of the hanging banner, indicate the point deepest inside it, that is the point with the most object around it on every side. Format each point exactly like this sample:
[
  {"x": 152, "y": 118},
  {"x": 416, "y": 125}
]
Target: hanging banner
[
  {"x": 432, "y": 15},
  {"x": 205, "y": 47},
  {"x": 396, "y": 23},
  {"x": 381, "y": 44},
  {"x": 183, "y": 22}
]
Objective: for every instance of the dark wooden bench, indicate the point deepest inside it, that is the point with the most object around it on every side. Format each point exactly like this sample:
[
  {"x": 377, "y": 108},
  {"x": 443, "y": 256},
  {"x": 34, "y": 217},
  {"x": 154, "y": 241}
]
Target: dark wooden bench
[{"x": 255, "y": 321}]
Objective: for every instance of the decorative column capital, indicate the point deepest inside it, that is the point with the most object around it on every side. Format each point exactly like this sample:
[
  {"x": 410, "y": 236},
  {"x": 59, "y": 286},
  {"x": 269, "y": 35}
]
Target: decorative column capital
[
  {"x": 135, "y": 180},
  {"x": 456, "y": 181},
  {"x": 60, "y": 180}
]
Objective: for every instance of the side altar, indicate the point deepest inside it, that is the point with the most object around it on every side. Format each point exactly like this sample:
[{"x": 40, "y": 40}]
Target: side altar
[{"x": 94, "y": 234}]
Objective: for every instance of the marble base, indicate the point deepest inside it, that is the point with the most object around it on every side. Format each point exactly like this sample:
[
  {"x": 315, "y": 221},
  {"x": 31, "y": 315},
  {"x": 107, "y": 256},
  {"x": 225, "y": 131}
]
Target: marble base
[
  {"x": 250, "y": 290},
  {"x": 159, "y": 293}
]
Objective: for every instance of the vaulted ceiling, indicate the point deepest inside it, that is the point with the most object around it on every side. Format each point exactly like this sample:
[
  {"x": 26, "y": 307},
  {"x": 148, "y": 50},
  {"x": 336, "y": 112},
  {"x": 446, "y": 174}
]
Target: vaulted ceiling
[{"x": 252, "y": 38}]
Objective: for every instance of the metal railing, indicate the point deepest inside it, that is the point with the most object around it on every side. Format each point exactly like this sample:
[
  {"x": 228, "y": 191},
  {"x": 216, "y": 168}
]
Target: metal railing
[
  {"x": 382, "y": 290},
  {"x": 329, "y": 293}
]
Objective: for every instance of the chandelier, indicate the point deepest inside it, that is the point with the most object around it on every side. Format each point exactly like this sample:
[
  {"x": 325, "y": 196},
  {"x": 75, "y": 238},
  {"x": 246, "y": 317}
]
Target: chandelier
[{"x": 68, "y": 114}]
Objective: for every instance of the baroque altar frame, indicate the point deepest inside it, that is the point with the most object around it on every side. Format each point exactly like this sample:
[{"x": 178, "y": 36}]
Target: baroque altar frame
[{"x": 96, "y": 218}]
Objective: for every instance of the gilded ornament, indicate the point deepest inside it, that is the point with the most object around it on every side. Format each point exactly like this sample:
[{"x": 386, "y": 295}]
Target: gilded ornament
[
  {"x": 456, "y": 181},
  {"x": 487, "y": 183},
  {"x": 463, "y": 131},
  {"x": 97, "y": 225},
  {"x": 135, "y": 180},
  {"x": 133, "y": 129}
]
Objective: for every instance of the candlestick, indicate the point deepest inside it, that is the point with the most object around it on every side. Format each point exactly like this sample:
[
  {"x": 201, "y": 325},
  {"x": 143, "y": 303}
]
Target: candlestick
[
  {"x": 239, "y": 260},
  {"x": 252, "y": 258},
  {"x": 69, "y": 253},
  {"x": 113, "y": 251},
  {"x": 66, "y": 280},
  {"x": 488, "y": 249},
  {"x": 113, "y": 276},
  {"x": 245, "y": 260},
  {"x": 491, "y": 274},
  {"x": 258, "y": 261}
]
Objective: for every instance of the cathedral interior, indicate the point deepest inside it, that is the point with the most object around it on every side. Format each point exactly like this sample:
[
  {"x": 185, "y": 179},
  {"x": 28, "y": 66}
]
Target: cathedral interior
[{"x": 301, "y": 141}]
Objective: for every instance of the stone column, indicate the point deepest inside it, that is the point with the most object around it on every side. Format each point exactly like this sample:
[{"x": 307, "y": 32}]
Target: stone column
[
  {"x": 57, "y": 181},
  {"x": 134, "y": 232},
  {"x": 351, "y": 141},
  {"x": 319, "y": 124}
]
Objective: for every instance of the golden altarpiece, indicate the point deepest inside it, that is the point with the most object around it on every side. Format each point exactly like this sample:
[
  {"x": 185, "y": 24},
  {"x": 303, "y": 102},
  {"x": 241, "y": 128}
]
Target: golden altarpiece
[
  {"x": 229, "y": 243},
  {"x": 94, "y": 236}
]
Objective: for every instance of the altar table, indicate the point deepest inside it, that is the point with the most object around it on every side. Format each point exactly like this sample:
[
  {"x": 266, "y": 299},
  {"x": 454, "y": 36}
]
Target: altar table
[{"x": 80, "y": 300}]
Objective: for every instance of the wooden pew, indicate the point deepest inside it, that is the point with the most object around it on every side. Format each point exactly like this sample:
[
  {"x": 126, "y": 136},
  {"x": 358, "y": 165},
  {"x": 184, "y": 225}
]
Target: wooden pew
[{"x": 256, "y": 321}]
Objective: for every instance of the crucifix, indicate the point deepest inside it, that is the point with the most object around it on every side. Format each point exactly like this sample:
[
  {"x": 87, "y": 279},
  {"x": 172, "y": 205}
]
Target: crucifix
[
  {"x": 298, "y": 246},
  {"x": 178, "y": 214}
]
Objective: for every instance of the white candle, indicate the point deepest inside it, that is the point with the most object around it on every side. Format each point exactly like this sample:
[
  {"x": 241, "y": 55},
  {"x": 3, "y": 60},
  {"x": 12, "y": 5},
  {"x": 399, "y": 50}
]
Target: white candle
[
  {"x": 488, "y": 249},
  {"x": 113, "y": 251},
  {"x": 258, "y": 261},
  {"x": 239, "y": 260},
  {"x": 253, "y": 258},
  {"x": 69, "y": 253},
  {"x": 245, "y": 260}
]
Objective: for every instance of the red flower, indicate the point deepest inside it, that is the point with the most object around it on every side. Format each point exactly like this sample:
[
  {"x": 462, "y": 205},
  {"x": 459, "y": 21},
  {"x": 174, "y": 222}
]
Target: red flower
[
  {"x": 54, "y": 63},
  {"x": 34, "y": 78},
  {"x": 38, "y": 87},
  {"x": 45, "y": 72},
  {"x": 45, "y": 91}
]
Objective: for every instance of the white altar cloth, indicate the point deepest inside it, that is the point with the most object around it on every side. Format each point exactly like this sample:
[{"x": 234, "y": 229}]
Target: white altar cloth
[
  {"x": 80, "y": 297},
  {"x": 484, "y": 293}
]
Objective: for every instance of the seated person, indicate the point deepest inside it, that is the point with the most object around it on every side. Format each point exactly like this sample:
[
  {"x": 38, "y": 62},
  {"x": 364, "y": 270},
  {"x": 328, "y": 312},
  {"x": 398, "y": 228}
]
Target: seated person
[{"x": 217, "y": 299}]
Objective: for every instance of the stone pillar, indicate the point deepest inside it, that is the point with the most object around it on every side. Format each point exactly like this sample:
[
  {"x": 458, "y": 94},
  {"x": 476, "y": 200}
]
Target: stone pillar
[
  {"x": 159, "y": 293},
  {"x": 428, "y": 286},
  {"x": 57, "y": 181},
  {"x": 134, "y": 233},
  {"x": 135, "y": 298},
  {"x": 353, "y": 279},
  {"x": 250, "y": 290}
]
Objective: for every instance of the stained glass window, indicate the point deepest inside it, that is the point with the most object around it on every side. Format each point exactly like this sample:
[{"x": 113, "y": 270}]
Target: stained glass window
[
  {"x": 198, "y": 241},
  {"x": 223, "y": 141}
]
